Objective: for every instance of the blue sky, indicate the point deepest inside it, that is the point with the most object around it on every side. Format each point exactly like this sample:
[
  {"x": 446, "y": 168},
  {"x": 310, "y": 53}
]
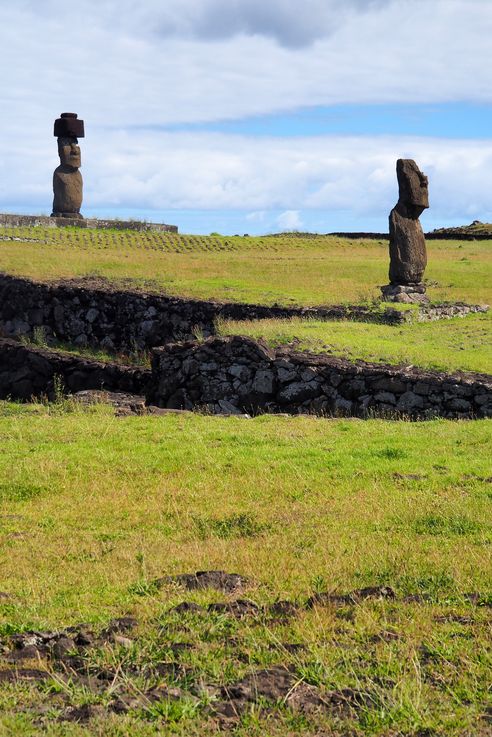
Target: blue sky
[
  {"x": 244, "y": 116},
  {"x": 443, "y": 120}
]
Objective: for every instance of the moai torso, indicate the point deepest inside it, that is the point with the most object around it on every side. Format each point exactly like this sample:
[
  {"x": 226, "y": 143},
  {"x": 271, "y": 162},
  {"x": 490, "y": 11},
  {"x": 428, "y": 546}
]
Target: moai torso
[
  {"x": 408, "y": 255},
  {"x": 67, "y": 190},
  {"x": 67, "y": 179}
]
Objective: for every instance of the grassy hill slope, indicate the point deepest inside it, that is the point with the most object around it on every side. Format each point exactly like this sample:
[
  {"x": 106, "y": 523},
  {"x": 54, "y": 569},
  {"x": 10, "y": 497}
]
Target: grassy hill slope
[{"x": 305, "y": 270}]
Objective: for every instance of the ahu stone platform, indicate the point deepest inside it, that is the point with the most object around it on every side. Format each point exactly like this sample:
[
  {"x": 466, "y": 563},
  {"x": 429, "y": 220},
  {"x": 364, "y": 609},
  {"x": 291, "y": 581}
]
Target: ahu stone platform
[{"x": 14, "y": 221}]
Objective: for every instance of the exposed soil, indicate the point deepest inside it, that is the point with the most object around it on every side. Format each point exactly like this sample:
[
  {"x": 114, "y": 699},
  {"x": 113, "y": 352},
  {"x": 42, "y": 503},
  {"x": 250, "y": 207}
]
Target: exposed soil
[{"x": 71, "y": 656}]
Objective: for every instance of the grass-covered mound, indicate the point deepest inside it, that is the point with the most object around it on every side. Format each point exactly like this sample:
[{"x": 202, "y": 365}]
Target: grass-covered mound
[
  {"x": 459, "y": 344},
  {"x": 94, "y": 509}
]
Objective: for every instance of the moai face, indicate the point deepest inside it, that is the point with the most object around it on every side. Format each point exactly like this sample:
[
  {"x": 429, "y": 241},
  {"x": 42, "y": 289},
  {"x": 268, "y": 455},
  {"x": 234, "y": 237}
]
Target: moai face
[
  {"x": 413, "y": 184},
  {"x": 69, "y": 152}
]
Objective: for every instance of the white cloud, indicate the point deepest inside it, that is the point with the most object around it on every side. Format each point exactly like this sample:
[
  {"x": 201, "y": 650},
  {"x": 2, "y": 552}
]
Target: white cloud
[
  {"x": 286, "y": 21},
  {"x": 130, "y": 67},
  {"x": 289, "y": 220},
  {"x": 165, "y": 171},
  {"x": 107, "y": 61}
]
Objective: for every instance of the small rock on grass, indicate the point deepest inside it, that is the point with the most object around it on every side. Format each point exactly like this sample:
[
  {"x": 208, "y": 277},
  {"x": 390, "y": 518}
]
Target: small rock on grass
[
  {"x": 122, "y": 641},
  {"x": 82, "y": 714},
  {"x": 354, "y": 597},
  {"x": 188, "y": 607},
  {"x": 23, "y": 674},
  {"x": 220, "y": 580},
  {"x": 239, "y": 608},
  {"x": 119, "y": 626}
]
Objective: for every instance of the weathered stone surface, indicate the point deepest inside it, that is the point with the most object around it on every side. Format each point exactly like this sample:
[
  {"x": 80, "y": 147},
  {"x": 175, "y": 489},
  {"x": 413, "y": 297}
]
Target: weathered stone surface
[
  {"x": 67, "y": 191},
  {"x": 409, "y": 402},
  {"x": 264, "y": 382},
  {"x": 27, "y": 371},
  {"x": 14, "y": 221},
  {"x": 68, "y": 125},
  {"x": 128, "y": 320},
  {"x": 409, "y": 294},
  {"x": 298, "y": 392},
  {"x": 408, "y": 255},
  {"x": 192, "y": 374}
]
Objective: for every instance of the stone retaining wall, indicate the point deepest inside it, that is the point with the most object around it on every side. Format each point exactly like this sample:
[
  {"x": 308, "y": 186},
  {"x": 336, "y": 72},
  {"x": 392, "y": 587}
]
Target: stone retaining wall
[
  {"x": 26, "y": 372},
  {"x": 92, "y": 313},
  {"x": 238, "y": 374}
]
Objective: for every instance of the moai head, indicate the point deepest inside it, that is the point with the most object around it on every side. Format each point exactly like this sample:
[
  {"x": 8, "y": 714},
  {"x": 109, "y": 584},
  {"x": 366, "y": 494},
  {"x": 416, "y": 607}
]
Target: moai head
[
  {"x": 68, "y": 129},
  {"x": 69, "y": 152},
  {"x": 413, "y": 186}
]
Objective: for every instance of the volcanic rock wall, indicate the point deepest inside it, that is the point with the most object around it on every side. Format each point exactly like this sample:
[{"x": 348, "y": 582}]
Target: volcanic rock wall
[
  {"x": 238, "y": 374},
  {"x": 93, "y": 313},
  {"x": 27, "y": 372},
  {"x": 88, "y": 313}
]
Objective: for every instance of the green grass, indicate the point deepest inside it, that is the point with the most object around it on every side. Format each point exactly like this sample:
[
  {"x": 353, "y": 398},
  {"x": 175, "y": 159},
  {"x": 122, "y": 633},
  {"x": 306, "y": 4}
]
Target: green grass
[
  {"x": 462, "y": 344},
  {"x": 305, "y": 270},
  {"x": 94, "y": 508}
]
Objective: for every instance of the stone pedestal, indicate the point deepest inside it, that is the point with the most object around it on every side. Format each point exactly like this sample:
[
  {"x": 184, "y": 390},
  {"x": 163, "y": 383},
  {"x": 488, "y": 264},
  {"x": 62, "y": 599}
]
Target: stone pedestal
[{"x": 405, "y": 293}]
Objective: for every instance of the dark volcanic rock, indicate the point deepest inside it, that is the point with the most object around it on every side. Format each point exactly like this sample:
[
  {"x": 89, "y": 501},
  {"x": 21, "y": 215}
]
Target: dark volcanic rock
[
  {"x": 188, "y": 607},
  {"x": 280, "y": 684},
  {"x": 23, "y": 674},
  {"x": 220, "y": 580},
  {"x": 271, "y": 683},
  {"x": 408, "y": 257},
  {"x": 82, "y": 714},
  {"x": 202, "y": 374},
  {"x": 239, "y": 608},
  {"x": 354, "y": 597}
]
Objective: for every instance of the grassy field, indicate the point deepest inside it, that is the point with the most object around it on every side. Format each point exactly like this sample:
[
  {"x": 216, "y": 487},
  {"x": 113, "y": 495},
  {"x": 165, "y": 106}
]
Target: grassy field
[
  {"x": 285, "y": 269},
  {"x": 459, "y": 344},
  {"x": 94, "y": 509}
]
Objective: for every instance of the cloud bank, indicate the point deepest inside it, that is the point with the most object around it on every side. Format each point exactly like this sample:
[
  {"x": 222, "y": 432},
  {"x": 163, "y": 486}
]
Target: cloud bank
[
  {"x": 290, "y": 23},
  {"x": 130, "y": 63},
  {"x": 165, "y": 171},
  {"x": 131, "y": 69}
]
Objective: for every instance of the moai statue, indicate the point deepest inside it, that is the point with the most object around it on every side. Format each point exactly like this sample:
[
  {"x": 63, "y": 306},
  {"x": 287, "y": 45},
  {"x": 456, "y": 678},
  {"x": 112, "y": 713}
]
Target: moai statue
[
  {"x": 408, "y": 255},
  {"x": 67, "y": 179}
]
